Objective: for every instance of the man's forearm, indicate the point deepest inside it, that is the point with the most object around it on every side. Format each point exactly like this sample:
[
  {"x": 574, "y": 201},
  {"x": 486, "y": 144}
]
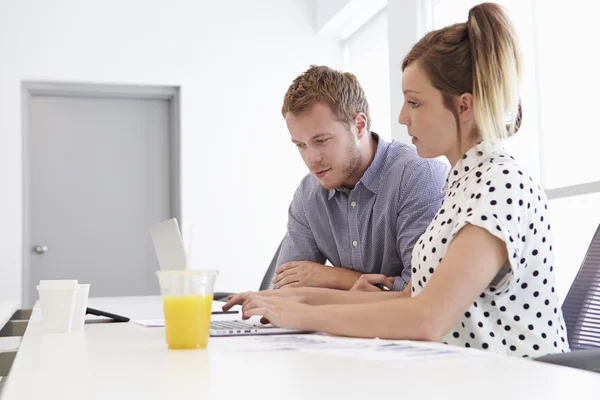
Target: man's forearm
[{"x": 341, "y": 278}]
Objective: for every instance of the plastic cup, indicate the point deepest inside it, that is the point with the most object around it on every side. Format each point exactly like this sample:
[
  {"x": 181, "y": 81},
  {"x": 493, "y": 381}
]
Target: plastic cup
[
  {"x": 79, "y": 311},
  {"x": 187, "y": 303},
  {"x": 57, "y": 302}
]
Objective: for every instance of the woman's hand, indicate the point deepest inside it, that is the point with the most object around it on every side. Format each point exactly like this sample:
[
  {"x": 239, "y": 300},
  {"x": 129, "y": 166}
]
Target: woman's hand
[
  {"x": 291, "y": 294},
  {"x": 281, "y": 312}
]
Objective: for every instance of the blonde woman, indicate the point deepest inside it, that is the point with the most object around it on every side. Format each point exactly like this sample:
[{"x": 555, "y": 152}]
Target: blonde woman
[{"x": 482, "y": 273}]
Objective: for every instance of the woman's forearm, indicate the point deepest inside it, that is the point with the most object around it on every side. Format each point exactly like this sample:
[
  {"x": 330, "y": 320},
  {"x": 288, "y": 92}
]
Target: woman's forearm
[
  {"x": 320, "y": 296},
  {"x": 398, "y": 318}
]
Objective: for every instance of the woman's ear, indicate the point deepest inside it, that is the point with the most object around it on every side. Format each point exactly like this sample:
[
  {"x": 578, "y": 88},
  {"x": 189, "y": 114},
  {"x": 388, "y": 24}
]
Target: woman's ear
[{"x": 465, "y": 106}]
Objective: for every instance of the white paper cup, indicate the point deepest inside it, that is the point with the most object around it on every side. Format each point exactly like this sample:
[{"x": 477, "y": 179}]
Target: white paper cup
[
  {"x": 81, "y": 301},
  {"x": 58, "y": 284},
  {"x": 57, "y": 301}
]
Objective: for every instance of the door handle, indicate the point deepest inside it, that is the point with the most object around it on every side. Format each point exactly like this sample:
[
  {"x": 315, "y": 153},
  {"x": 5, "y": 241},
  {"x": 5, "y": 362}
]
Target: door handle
[{"x": 41, "y": 249}]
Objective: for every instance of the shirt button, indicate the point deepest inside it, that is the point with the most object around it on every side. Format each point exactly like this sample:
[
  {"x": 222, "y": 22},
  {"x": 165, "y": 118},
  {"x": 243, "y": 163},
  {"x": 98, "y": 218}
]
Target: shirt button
[
  {"x": 353, "y": 204},
  {"x": 355, "y": 243}
]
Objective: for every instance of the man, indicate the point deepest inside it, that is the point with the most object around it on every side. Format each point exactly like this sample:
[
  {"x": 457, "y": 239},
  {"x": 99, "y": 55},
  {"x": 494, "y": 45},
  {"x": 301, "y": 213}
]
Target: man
[{"x": 365, "y": 201}]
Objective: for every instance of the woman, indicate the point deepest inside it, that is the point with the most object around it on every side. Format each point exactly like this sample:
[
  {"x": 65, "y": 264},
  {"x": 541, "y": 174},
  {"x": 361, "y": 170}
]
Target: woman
[{"x": 482, "y": 273}]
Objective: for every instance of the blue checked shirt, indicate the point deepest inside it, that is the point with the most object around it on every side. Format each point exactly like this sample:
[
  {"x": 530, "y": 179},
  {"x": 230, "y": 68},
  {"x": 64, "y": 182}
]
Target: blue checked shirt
[{"x": 373, "y": 227}]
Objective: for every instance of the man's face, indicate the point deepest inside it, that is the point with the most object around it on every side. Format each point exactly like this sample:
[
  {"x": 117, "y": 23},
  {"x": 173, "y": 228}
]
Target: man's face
[{"x": 328, "y": 147}]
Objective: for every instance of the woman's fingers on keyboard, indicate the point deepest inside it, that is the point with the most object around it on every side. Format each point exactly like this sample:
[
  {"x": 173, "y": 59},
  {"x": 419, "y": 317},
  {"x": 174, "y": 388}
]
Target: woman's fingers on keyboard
[{"x": 236, "y": 299}]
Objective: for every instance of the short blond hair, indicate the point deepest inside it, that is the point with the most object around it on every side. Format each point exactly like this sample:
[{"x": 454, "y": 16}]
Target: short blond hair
[{"x": 340, "y": 90}]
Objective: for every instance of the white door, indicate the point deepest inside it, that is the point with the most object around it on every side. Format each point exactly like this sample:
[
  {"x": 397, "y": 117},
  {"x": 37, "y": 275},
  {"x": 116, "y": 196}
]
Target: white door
[{"x": 99, "y": 175}]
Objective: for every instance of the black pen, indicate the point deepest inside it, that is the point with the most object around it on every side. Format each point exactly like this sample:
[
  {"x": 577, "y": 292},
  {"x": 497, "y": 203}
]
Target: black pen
[
  {"x": 224, "y": 312},
  {"x": 381, "y": 286}
]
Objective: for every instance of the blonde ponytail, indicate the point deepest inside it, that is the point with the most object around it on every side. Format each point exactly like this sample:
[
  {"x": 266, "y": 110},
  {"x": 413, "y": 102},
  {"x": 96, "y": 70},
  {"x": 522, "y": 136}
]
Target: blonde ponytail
[
  {"x": 497, "y": 71},
  {"x": 481, "y": 57}
]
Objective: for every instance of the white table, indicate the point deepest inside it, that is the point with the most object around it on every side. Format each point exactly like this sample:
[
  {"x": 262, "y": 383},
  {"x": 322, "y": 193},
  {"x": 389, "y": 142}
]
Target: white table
[{"x": 127, "y": 361}]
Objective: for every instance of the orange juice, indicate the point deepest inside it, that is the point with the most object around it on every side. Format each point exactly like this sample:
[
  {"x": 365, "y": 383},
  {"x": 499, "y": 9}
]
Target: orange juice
[{"x": 187, "y": 320}]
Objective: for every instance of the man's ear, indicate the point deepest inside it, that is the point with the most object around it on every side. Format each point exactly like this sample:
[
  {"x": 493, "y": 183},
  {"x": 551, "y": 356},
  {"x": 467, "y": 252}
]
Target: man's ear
[{"x": 360, "y": 121}]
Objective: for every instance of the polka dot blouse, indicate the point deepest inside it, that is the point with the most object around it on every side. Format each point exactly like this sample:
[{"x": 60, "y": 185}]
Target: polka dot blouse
[{"x": 518, "y": 313}]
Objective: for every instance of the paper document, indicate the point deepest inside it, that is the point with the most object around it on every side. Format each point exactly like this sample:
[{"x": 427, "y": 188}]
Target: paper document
[
  {"x": 375, "y": 349},
  {"x": 151, "y": 323}
]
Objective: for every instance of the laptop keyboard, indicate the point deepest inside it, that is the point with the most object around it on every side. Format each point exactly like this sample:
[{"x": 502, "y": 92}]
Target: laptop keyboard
[{"x": 236, "y": 325}]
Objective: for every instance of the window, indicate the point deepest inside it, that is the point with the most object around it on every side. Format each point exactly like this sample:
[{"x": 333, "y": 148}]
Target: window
[
  {"x": 366, "y": 55},
  {"x": 559, "y": 136}
]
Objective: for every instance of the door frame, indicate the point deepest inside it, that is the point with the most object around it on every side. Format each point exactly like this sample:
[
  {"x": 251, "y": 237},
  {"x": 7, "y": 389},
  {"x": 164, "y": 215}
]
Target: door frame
[{"x": 30, "y": 89}]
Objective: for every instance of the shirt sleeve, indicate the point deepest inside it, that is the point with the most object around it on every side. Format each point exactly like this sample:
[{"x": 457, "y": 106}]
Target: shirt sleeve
[
  {"x": 420, "y": 198},
  {"x": 499, "y": 207},
  {"x": 299, "y": 242}
]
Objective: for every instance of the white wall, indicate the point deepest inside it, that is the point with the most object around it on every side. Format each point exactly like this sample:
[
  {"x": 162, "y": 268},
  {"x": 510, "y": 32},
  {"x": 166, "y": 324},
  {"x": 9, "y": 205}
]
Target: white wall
[
  {"x": 366, "y": 55},
  {"x": 328, "y": 10},
  {"x": 341, "y": 18},
  {"x": 408, "y": 21},
  {"x": 234, "y": 61},
  {"x": 404, "y": 30}
]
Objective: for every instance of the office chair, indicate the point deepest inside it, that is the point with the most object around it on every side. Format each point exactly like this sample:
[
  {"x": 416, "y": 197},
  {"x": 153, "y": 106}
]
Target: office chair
[
  {"x": 266, "y": 281},
  {"x": 581, "y": 311}
]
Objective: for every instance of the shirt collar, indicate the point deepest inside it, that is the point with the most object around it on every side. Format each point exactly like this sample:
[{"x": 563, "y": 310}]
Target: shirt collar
[
  {"x": 473, "y": 158},
  {"x": 372, "y": 175}
]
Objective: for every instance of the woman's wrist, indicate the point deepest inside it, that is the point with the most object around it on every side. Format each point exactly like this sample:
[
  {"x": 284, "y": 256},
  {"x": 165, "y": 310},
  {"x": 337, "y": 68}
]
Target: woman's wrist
[
  {"x": 311, "y": 318},
  {"x": 305, "y": 294}
]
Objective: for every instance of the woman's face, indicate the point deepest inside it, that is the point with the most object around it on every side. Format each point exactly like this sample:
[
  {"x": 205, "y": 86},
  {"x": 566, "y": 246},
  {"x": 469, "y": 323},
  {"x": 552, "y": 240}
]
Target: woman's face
[{"x": 430, "y": 123}]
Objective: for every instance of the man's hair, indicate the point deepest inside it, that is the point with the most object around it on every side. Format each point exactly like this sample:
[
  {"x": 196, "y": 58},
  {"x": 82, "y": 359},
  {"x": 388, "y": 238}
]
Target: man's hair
[{"x": 340, "y": 90}]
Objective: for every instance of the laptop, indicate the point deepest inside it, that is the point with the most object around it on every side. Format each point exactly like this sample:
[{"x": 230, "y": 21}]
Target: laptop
[{"x": 170, "y": 252}]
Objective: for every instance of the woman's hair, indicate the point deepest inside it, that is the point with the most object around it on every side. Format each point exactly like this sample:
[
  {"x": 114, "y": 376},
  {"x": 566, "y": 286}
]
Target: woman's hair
[{"x": 481, "y": 57}]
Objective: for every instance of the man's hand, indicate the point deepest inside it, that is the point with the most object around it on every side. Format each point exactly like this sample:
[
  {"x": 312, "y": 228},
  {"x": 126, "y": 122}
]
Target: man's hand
[
  {"x": 302, "y": 273},
  {"x": 367, "y": 282}
]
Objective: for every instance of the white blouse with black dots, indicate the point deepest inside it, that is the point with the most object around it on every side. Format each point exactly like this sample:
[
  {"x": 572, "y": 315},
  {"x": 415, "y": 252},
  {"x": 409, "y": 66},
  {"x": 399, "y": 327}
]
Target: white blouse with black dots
[{"x": 518, "y": 313}]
